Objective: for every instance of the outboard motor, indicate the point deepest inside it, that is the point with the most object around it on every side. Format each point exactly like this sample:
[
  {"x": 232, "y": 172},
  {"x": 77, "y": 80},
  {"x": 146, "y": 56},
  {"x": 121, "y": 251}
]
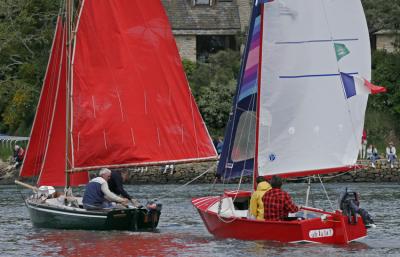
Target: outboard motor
[
  {"x": 154, "y": 210},
  {"x": 154, "y": 205},
  {"x": 349, "y": 203}
]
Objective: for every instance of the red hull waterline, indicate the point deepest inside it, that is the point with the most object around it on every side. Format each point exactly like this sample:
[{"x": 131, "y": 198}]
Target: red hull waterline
[{"x": 326, "y": 228}]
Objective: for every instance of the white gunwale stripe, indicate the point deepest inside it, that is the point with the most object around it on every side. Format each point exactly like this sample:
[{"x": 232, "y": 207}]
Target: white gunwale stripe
[{"x": 67, "y": 213}]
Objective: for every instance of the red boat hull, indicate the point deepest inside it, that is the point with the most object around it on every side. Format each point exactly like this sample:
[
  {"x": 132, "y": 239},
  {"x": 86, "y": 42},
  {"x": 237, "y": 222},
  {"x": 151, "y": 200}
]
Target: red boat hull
[{"x": 333, "y": 228}]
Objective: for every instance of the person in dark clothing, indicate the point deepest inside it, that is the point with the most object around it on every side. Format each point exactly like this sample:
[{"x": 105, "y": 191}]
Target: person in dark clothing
[
  {"x": 19, "y": 154},
  {"x": 116, "y": 185},
  {"x": 220, "y": 145},
  {"x": 215, "y": 143}
]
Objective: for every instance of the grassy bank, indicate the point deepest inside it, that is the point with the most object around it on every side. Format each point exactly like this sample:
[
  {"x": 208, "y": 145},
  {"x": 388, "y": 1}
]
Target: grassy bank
[{"x": 5, "y": 151}]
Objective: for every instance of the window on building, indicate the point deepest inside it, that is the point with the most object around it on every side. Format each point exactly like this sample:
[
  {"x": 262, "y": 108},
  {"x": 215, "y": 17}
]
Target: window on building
[
  {"x": 200, "y": 2},
  {"x": 210, "y": 44}
]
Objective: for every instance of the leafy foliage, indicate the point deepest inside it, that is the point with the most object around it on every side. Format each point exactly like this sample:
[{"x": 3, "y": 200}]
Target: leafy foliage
[
  {"x": 18, "y": 111},
  {"x": 213, "y": 85},
  {"x": 382, "y": 14},
  {"x": 26, "y": 31},
  {"x": 383, "y": 110}
]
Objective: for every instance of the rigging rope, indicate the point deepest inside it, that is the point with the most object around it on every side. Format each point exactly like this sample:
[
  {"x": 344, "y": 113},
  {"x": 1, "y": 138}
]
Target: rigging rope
[
  {"x": 322, "y": 184},
  {"x": 182, "y": 186},
  {"x": 326, "y": 193},
  {"x": 233, "y": 218}
]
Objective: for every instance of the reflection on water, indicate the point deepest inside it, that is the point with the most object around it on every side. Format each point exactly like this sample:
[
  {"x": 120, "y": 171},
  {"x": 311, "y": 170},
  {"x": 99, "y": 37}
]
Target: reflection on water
[
  {"x": 113, "y": 243},
  {"x": 182, "y": 233}
]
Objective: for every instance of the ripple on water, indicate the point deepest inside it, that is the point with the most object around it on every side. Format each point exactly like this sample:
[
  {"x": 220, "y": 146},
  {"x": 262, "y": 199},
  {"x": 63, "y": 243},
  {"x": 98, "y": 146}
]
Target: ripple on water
[{"x": 182, "y": 233}]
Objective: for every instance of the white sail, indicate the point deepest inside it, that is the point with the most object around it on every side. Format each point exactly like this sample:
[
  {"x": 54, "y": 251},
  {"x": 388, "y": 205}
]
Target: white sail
[{"x": 305, "y": 121}]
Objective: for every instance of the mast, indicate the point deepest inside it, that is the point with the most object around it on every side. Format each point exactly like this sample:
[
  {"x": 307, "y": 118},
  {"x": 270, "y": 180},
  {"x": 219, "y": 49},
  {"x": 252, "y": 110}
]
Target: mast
[
  {"x": 255, "y": 173},
  {"x": 238, "y": 154},
  {"x": 69, "y": 18}
]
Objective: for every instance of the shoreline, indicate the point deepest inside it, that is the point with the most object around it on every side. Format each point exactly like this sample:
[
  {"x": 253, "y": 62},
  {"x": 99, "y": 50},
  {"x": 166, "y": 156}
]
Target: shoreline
[{"x": 184, "y": 173}]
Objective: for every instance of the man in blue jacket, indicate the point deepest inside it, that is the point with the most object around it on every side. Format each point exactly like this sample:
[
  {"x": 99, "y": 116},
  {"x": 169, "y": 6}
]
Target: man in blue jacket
[{"x": 97, "y": 194}]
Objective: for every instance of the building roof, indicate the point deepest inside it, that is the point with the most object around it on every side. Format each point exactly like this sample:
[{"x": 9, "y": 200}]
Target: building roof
[
  {"x": 220, "y": 16},
  {"x": 386, "y": 32}
]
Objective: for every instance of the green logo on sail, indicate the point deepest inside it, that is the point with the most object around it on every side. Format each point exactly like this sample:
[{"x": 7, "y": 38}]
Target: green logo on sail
[{"x": 341, "y": 51}]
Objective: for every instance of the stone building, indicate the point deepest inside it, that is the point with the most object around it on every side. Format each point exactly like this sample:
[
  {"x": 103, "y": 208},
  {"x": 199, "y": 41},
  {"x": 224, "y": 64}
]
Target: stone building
[
  {"x": 202, "y": 27},
  {"x": 385, "y": 40}
]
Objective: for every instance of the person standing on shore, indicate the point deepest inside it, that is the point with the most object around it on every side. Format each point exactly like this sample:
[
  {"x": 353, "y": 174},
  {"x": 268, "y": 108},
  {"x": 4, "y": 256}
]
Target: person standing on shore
[
  {"x": 372, "y": 155},
  {"x": 363, "y": 147},
  {"x": 391, "y": 154}
]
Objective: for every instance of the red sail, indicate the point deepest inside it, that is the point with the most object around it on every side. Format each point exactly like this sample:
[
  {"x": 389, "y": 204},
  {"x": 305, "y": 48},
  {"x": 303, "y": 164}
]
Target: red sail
[
  {"x": 45, "y": 155},
  {"x": 131, "y": 100},
  {"x": 53, "y": 172},
  {"x": 39, "y": 138}
]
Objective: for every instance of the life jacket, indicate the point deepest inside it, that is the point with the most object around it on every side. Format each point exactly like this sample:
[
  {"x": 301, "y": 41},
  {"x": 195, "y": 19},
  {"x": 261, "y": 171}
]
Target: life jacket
[{"x": 256, "y": 202}]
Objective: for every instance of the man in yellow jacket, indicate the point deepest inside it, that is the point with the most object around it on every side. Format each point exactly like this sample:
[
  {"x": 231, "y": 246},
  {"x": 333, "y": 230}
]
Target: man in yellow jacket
[{"x": 256, "y": 202}]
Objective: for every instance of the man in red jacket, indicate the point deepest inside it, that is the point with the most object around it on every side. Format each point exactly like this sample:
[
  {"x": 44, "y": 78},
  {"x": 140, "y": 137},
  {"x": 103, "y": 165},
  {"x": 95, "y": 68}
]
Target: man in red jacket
[{"x": 277, "y": 203}]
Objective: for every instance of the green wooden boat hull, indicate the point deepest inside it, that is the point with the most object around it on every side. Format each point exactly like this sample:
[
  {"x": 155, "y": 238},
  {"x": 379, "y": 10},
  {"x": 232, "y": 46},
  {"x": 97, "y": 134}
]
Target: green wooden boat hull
[{"x": 45, "y": 216}]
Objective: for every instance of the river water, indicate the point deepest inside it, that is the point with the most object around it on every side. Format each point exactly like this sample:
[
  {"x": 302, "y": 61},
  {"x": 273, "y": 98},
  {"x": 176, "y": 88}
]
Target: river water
[{"x": 181, "y": 231}]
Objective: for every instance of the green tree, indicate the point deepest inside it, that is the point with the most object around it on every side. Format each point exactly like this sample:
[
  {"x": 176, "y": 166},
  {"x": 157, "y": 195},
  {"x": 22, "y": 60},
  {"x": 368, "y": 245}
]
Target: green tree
[
  {"x": 18, "y": 113},
  {"x": 383, "y": 110},
  {"x": 26, "y": 31},
  {"x": 213, "y": 85},
  {"x": 382, "y": 14}
]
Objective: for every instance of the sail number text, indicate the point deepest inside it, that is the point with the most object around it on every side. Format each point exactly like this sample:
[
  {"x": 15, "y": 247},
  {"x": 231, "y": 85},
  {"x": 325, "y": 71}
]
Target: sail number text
[{"x": 320, "y": 233}]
